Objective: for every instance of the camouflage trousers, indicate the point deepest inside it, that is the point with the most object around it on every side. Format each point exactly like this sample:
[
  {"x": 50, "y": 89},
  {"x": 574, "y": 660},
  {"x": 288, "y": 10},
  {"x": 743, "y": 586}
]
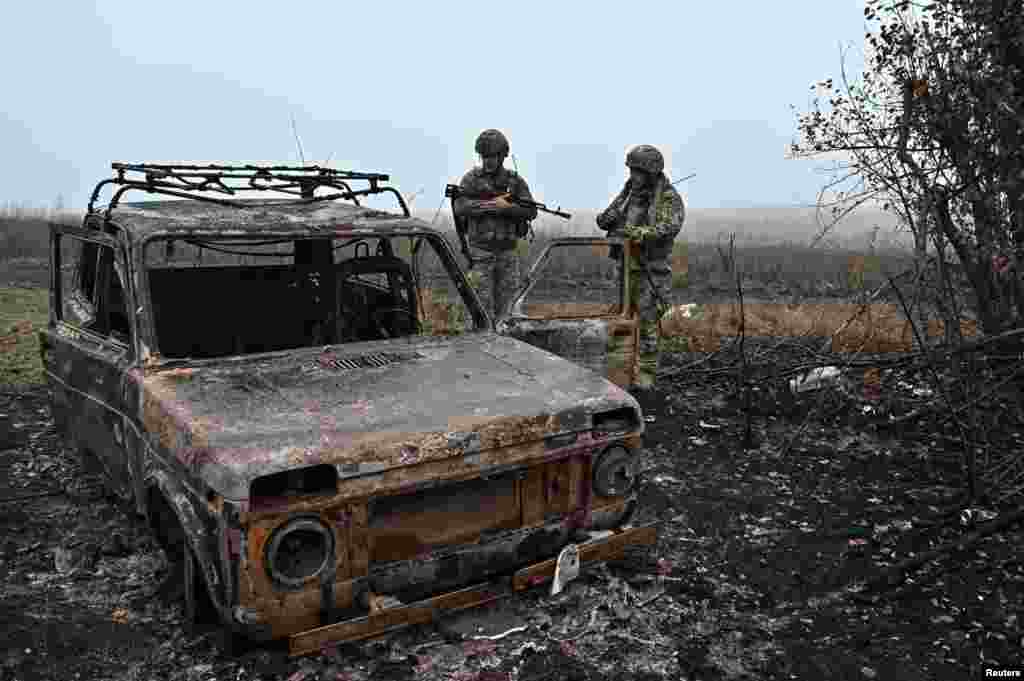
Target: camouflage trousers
[
  {"x": 649, "y": 303},
  {"x": 495, "y": 277}
]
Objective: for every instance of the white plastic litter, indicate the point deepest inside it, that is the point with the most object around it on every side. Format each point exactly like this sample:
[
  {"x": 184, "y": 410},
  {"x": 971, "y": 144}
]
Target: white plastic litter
[
  {"x": 814, "y": 379},
  {"x": 687, "y": 311},
  {"x": 567, "y": 568}
]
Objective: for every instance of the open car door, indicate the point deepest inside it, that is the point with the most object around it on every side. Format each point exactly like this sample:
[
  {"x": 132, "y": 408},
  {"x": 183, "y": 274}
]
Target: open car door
[{"x": 575, "y": 304}]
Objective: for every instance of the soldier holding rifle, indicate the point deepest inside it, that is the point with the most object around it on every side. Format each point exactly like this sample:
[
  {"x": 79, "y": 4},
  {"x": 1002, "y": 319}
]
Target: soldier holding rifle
[
  {"x": 648, "y": 210},
  {"x": 485, "y": 205}
]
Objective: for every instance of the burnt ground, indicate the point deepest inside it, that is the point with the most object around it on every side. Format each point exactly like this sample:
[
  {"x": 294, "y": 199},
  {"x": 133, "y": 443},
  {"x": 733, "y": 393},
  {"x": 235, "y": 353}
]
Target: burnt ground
[{"x": 755, "y": 576}]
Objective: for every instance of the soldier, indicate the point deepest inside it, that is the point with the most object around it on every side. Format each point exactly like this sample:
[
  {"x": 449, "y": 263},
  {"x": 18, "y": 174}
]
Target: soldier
[
  {"x": 648, "y": 210},
  {"x": 495, "y": 224}
]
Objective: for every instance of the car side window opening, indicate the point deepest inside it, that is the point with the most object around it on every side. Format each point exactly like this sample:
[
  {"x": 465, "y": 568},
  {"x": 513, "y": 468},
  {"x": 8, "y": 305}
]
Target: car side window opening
[
  {"x": 113, "y": 318},
  {"x": 92, "y": 283},
  {"x": 222, "y": 296},
  {"x": 77, "y": 265},
  {"x": 574, "y": 280}
]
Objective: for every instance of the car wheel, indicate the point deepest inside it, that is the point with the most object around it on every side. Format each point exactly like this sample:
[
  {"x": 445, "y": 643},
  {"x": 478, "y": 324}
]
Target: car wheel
[
  {"x": 190, "y": 591},
  {"x": 199, "y": 610},
  {"x": 200, "y": 613}
]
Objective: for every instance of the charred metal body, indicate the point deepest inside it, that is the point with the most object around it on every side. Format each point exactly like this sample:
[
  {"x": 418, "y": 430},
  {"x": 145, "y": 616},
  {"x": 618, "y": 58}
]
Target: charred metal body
[{"x": 329, "y": 447}]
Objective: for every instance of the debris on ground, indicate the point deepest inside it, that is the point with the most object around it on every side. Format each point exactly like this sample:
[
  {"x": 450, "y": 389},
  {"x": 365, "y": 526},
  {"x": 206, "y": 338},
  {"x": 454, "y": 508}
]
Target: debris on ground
[{"x": 763, "y": 568}]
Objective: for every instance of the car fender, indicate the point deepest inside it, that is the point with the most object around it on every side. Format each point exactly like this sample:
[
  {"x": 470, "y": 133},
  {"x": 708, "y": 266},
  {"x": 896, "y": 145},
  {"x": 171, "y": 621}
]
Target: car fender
[{"x": 194, "y": 530}]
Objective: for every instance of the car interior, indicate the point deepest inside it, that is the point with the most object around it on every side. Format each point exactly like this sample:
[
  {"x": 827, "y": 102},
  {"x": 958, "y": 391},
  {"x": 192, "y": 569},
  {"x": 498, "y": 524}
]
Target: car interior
[{"x": 215, "y": 311}]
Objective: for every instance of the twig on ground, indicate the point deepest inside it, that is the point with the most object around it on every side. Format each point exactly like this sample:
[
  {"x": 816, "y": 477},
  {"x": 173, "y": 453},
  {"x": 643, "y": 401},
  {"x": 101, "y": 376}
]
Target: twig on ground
[
  {"x": 587, "y": 627},
  {"x": 743, "y": 382},
  {"x": 932, "y": 406},
  {"x": 939, "y": 388},
  {"x": 897, "y": 573},
  {"x": 623, "y": 634},
  {"x": 644, "y": 603}
]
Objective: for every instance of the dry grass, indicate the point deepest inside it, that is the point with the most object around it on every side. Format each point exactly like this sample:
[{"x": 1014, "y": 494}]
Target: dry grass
[
  {"x": 440, "y": 314},
  {"x": 879, "y": 327},
  {"x": 562, "y": 310},
  {"x": 793, "y": 268}
]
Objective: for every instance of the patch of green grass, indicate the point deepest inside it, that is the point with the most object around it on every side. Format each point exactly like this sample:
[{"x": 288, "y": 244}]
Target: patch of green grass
[
  {"x": 674, "y": 344},
  {"x": 680, "y": 280},
  {"x": 23, "y": 313}
]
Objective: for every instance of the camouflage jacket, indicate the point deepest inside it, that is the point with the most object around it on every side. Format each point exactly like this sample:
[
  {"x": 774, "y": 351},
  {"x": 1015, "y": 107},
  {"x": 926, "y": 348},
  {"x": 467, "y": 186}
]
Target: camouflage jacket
[
  {"x": 491, "y": 228},
  {"x": 663, "y": 210}
]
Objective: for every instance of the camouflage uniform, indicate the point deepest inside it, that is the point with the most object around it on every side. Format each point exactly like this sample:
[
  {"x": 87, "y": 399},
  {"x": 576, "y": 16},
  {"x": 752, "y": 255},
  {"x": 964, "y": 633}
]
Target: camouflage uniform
[
  {"x": 657, "y": 211},
  {"x": 494, "y": 232}
]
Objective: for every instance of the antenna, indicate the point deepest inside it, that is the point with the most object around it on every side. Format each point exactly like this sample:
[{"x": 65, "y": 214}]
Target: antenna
[
  {"x": 409, "y": 198},
  {"x": 298, "y": 142}
]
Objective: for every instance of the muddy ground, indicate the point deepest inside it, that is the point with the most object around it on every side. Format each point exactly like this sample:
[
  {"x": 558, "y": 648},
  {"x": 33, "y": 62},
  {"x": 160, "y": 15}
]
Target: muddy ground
[{"x": 757, "y": 574}]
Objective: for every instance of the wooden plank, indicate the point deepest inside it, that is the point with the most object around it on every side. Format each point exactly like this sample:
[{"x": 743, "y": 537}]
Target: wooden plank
[{"x": 315, "y": 640}]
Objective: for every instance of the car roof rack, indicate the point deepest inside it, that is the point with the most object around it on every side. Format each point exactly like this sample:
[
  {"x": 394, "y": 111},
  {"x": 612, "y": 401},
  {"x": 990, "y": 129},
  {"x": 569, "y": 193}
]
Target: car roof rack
[{"x": 196, "y": 181}]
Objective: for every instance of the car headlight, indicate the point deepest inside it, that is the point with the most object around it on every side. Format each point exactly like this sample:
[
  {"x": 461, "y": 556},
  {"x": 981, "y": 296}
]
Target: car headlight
[
  {"x": 614, "y": 472},
  {"x": 298, "y": 551},
  {"x": 621, "y": 420}
]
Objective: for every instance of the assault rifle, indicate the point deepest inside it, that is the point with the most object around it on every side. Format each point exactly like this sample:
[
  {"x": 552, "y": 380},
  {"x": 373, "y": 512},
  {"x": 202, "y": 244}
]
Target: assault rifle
[{"x": 454, "y": 191}]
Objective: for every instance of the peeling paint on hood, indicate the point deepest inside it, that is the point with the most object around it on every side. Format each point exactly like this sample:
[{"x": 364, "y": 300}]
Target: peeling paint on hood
[{"x": 235, "y": 419}]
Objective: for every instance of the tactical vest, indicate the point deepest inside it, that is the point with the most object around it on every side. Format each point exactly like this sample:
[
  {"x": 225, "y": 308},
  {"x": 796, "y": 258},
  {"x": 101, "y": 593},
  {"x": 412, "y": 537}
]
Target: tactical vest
[
  {"x": 644, "y": 211},
  {"x": 493, "y": 233}
]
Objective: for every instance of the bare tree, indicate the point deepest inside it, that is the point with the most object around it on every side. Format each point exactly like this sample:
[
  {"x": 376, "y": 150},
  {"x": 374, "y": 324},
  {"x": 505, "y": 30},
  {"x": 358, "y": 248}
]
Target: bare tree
[{"x": 934, "y": 130}]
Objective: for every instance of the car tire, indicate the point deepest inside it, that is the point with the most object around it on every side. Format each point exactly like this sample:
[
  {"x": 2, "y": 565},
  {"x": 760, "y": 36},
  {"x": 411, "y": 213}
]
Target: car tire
[
  {"x": 200, "y": 614},
  {"x": 198, "y": 609}
]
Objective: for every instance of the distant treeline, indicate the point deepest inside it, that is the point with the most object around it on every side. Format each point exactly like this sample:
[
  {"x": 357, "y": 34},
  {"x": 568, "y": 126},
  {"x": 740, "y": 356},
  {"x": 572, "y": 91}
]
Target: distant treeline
[
  {"x": 751, "y": 225},
  {"x": 23, "y": 231},
  {"x": 20, "y": 237}
]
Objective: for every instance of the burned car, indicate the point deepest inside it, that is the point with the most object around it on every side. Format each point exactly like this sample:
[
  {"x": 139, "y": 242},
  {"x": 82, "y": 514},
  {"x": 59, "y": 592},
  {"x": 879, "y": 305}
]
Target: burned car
[{"x": 322, "y": 425}]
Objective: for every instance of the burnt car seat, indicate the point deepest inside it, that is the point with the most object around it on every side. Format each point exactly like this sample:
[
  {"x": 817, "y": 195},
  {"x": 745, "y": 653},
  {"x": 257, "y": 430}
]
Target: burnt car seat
[{"x": 367, "y": 310}]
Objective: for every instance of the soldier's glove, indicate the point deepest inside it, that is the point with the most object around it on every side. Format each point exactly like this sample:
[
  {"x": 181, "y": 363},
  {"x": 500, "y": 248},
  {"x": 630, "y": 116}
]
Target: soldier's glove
[
  {"x": 638, "y": 232},
  {"x": 608, "y": 219},
  {"x": 498, "y": 203}
]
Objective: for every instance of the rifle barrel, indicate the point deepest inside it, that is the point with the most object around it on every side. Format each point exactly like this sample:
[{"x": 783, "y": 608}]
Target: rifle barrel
[{"x": 454, "y": 191}]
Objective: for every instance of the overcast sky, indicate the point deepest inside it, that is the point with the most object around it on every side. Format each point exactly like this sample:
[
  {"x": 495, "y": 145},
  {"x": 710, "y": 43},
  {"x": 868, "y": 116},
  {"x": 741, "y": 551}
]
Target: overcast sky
[{"x": 405, "y": 87}]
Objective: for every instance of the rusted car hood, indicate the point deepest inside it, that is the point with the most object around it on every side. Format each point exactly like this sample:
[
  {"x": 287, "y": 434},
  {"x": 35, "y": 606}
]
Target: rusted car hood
[{"x": 366, "y": 408}]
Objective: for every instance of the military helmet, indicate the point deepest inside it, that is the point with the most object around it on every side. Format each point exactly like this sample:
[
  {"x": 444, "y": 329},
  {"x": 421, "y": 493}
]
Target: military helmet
[
  {"x": 491, "y": 142},
  {"x": 645, "y": 157}
]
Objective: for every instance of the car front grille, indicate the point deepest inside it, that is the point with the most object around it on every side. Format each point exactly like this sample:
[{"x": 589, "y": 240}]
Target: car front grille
[{"x": 409, "y": 525}]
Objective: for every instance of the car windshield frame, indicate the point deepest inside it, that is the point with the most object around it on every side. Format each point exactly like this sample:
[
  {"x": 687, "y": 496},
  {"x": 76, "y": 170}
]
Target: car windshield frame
[{"x": 477, "y": 319}]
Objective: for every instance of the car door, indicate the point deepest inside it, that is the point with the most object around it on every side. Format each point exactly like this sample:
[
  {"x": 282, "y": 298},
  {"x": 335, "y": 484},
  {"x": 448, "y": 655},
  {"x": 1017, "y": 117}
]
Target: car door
[
  {"x": 88, "y": 347},
  {"x": 574, "y": 303}
]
